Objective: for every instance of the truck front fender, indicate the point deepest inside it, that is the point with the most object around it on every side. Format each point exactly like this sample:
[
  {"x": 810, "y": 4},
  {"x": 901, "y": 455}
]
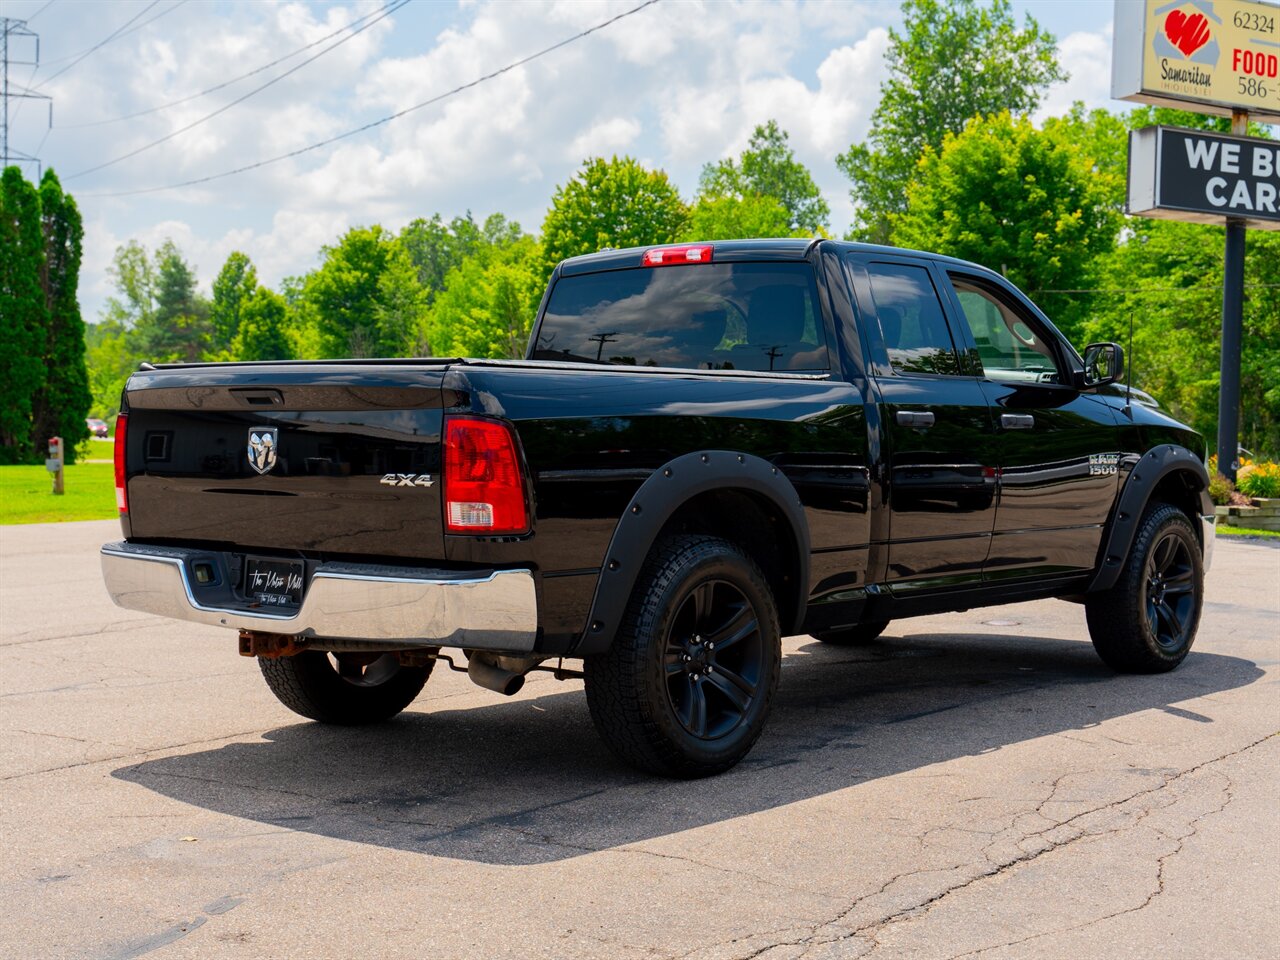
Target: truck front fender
[
  {"x": 1156, "y": 467},
  {"x": 659, "y": 497}
]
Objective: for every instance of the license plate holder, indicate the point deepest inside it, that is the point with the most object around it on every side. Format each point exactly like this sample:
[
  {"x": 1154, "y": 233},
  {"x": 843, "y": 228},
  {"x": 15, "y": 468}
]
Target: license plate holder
[{"x": 274, "y": 583}]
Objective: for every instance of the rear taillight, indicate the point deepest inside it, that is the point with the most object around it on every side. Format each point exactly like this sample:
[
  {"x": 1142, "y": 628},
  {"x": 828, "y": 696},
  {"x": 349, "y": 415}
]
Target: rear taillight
[
  {"x": 670, "y": 256},
  {"x": 483, "y": 486},
  {"x": 122, "y": 493}
]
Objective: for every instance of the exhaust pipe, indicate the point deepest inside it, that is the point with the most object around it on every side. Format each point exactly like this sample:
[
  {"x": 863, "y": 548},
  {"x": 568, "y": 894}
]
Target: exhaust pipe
[{"x": 495, "y": 673}]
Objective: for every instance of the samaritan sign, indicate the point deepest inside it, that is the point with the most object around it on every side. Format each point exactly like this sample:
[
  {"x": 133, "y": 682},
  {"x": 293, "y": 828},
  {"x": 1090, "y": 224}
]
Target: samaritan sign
[
  {"x": 1211, "y": 56},
  {"x": 1178, "y": 174}
]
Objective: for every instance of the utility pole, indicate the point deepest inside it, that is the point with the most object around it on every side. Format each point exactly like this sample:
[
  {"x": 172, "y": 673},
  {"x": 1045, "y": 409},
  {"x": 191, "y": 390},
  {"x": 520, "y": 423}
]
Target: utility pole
[
  {"x": 16, "y": 30},
  {"x": 1232, "y": 324},
  {"x": 602, "y": 339}
]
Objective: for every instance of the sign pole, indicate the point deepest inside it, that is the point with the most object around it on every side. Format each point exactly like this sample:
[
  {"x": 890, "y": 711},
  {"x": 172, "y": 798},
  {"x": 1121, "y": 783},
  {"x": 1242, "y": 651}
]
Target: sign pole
[
  {"x": 54, "y": 465},
  {"x": 1232, "y": 332}
]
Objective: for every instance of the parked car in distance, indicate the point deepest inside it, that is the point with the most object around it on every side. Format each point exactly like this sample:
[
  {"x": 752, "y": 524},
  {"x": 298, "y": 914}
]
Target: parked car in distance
[{"x": 97, "y": 428}]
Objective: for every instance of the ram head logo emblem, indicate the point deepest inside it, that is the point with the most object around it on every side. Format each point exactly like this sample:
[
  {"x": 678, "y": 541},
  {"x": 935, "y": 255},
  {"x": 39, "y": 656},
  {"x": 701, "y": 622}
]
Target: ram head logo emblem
[{"x": 262, "y": 448}]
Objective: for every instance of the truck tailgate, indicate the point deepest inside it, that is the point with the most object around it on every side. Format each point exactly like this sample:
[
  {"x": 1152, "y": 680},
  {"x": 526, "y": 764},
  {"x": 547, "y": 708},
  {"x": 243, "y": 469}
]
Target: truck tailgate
[{"x": 334, "y": 458}]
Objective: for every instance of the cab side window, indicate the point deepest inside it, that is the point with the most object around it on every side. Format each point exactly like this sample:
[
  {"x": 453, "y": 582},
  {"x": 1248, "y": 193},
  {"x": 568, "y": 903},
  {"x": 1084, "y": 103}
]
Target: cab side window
[
  {"x": 915, "y": 329},
  {"x": 1010, "y": 350}
]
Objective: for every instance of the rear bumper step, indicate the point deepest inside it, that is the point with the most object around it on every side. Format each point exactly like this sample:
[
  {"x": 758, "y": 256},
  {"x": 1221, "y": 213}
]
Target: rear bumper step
[{"x": 482, "y": 610}]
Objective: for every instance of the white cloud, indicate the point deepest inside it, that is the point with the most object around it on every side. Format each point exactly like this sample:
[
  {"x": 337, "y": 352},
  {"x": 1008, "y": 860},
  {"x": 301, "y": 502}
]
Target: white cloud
[
  {"x": 678, "y": 84},
  {"x": 604, "y": 139},
  {"x": 1086, "y": 57}
]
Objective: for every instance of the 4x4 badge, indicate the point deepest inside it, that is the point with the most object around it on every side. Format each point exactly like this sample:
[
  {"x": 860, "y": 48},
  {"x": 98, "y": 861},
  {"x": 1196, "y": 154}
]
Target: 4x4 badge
[
  {"x": 262, "y": 448},
  {"x": 407, "y": 480}
]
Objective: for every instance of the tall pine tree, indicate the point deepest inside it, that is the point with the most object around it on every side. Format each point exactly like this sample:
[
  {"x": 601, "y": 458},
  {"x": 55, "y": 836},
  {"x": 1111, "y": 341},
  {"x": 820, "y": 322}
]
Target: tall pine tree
[
  {"x": 22, "y": 312},
  {"x": 60, "y": 404},
  {"x": 234, "y": 286}
]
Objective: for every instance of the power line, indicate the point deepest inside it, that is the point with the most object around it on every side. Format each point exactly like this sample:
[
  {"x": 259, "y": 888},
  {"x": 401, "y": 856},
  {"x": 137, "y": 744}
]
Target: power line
[
  {"x": 41, "y": 10},
  {"x": 224, "y": 84},
  {"x": 377, "y": 123},
  {"x": 118, "y": 32},
  {"x": 386, "y": 12}
]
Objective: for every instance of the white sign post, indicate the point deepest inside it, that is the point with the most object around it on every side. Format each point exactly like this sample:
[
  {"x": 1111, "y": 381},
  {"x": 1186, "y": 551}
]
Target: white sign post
[{"x": 54, "y": 465}]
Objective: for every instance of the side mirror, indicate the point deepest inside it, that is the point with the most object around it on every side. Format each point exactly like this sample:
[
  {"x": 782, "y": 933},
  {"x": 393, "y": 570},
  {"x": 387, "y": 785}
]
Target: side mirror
[{"x": 1103, "y": 364}]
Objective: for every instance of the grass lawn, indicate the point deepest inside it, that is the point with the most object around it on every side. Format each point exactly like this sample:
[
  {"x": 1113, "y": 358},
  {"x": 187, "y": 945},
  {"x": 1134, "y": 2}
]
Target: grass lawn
[
  {"x": 1226, "y": 531},
  {"x": 25, "y": 494}
]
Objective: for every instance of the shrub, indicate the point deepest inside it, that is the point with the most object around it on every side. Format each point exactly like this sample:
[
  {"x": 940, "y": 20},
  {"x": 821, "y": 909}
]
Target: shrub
[
  {"x": 1220, "y": 490},
  {"x": 1259, "y": 480}
]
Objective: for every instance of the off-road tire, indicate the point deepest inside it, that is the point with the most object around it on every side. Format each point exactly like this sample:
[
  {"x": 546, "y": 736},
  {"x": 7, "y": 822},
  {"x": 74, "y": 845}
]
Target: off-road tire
[
  {"x": 310, "y": 684},
  {"x": 1130, "y": 623},
  {"x": 854, "y": 636},
  {"x": 640, "y": 692}
]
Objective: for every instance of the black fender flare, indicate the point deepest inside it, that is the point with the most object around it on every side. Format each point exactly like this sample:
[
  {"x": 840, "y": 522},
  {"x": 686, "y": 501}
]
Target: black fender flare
[
  {"x": 658, "y": 498},
  {"x": 1153, "y": 467}
]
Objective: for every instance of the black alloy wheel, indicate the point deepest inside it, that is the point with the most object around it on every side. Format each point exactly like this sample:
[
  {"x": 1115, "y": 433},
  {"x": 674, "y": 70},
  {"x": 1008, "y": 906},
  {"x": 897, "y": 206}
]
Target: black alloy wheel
[
  {"x": 1147, "y": 621},
  {"x": 714, "y": 659},
  {"x": 686, "y": 685},
  {"x": 1171, "y": 601}
]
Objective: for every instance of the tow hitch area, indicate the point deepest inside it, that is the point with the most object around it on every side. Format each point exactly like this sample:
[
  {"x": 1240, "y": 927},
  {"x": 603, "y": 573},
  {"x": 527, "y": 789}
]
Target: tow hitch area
[{"x": 269, "y": 646}]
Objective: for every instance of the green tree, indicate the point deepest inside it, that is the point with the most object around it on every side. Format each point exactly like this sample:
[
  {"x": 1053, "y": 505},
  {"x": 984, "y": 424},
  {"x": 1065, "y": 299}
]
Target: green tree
[
  {"x": 342, "y": 294},
  {"x": 611, "y": 203},
  {"x": 60, "y": 404},
  {"x": 110, "y": 356},
  {"x": 261, "y": 333},
  {"x": 134, "y": 280},
  {"x": 1023, "y": 201},
  {"x": 768, "y": 168},
  {"x": 170, "y": 320},
  {"x": 365, "y": 300},
  {"x": 24, "y": 316},
  {"x": 953, "y": 60},
  {"x": 734, "y": 218},
  {"x": 1167, "y": 277},
  {"x": 401, "y": 309},
  {"x": 435, "y": 247},
  {"x": 488, "y": 303},
  {"x": 236, "y": 282}
]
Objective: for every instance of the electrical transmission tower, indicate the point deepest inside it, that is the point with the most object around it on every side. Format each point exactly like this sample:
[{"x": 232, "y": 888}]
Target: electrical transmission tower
[{"x": 14, "y": 33}]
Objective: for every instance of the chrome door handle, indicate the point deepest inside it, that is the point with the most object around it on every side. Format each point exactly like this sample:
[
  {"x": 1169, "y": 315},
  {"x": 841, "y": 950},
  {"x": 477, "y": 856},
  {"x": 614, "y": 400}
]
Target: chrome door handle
[
  {"x": 1017, "y": 421},
  {"x": 915, "y": 418}
]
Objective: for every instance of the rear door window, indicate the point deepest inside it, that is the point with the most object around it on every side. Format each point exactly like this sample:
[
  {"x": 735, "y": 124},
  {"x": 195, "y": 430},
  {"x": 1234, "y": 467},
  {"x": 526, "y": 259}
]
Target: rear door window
[
  {"x": 715, "y": 316},
  {"x": 915, "y": 330}
]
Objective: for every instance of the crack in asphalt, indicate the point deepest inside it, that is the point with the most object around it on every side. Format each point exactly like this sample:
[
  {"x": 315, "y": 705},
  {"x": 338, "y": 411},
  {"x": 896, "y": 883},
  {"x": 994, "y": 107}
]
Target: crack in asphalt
[
  {"x": 869, "y": 931},
  {"x": 141, "y": 754},
  {"x": 1180, "y": 843},
  {"x": 117, "y": 626}
]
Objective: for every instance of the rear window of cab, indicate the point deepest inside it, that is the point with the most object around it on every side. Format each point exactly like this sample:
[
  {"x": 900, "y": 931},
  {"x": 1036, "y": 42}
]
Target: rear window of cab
[{"x": 713, "y": 316}]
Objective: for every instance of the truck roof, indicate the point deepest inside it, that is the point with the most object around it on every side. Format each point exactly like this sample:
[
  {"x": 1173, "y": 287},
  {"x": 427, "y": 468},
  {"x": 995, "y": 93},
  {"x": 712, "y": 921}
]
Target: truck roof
[{"x": 779, "y": 248}]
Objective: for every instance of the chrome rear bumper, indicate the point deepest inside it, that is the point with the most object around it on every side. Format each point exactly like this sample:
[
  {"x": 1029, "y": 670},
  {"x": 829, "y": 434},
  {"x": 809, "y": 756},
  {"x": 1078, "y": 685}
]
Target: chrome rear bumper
[{"x": 489, "y": 610}]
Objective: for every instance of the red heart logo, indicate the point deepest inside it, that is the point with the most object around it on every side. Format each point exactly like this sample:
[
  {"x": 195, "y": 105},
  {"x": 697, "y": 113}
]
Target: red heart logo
[{"x": 1188, "y": 34}]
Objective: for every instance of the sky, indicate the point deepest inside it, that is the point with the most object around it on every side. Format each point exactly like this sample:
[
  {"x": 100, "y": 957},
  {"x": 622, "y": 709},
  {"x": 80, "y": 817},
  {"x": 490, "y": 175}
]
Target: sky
[{"x": 676, "y": 85}]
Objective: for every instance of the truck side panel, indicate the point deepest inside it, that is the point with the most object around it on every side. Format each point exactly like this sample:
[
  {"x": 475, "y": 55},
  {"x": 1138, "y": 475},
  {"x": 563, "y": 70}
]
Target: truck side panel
[{"x": 586, "y": 468}]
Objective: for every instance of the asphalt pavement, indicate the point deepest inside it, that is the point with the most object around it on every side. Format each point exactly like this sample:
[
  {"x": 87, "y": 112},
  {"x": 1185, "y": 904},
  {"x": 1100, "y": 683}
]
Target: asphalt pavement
[{"x": 973, "y": 785}]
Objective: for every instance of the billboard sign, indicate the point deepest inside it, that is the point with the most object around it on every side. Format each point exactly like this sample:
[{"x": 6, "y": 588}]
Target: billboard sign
[
  {"x": 1210, "y": 56},
  {"x": 1177, "y": 174}
]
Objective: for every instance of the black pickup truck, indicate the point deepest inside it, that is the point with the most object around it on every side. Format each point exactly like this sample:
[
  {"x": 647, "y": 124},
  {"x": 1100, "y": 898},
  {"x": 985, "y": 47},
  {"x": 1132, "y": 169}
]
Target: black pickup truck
[{"x": 708, "y": 447}]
